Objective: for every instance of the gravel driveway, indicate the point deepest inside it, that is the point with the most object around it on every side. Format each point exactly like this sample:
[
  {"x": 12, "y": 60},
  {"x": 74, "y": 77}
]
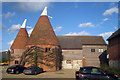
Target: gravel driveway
[{"x": 65, "y": 73}]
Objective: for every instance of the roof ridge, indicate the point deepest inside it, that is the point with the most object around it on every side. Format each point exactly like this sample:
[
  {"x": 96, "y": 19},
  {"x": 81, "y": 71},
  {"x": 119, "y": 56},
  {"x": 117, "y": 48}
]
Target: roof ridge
[
  {"x": 116, "y": 33},
  {"x": 78, "y": 41},
  {"x": 75, "y": 36}
]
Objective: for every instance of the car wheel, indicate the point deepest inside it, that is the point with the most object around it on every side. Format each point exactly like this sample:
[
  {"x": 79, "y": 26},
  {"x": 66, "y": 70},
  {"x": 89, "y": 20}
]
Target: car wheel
[
  {"x": 41, "y": 71},
  {"x": 17, "y": 72},
  {"x": 35, "y": 72}
]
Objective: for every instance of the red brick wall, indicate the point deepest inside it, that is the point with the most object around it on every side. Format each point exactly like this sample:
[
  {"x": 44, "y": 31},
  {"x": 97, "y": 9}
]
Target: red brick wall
[
  {"x": 17, "y": 53},
  {"x": 119, "y": 47},
  {"x": 45, "y": 68},
  {"x": 114, "y": 47}
]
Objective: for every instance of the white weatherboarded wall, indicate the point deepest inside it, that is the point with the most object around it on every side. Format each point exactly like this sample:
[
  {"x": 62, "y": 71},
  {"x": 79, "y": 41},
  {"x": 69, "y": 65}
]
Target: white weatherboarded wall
[{"x": 75, "y": 56}]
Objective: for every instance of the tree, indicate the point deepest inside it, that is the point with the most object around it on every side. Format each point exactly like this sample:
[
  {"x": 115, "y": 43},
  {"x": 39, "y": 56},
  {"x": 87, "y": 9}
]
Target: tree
[
  {"x": 4, "y": 60},
  {"x": 8, "y": 56}
]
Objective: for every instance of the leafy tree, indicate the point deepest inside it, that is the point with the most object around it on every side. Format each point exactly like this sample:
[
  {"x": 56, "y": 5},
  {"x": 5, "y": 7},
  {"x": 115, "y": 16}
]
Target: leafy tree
[{"x": 4, "y": 60}]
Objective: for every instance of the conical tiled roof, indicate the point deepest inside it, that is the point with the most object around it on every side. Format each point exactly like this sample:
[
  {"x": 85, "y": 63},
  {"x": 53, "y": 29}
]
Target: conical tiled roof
[
  {"x": 20, "y": 40},
  {"x": 43, "y": 33}
]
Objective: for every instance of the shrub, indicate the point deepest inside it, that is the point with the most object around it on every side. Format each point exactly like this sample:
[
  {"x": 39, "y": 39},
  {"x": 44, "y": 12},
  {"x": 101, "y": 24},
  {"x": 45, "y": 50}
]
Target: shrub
[
  {"x": 4, "y": 60},
  {"x": 109, "y": 69}
]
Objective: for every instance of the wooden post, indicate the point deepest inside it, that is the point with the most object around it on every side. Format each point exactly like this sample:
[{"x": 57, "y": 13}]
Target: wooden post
[{"x": 83, "y": 61}]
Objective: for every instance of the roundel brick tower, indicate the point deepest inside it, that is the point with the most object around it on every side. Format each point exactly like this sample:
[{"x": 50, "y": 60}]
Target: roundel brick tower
[
  {"x": 18, "y": 46},
  {"x": 43, "y": 36}
]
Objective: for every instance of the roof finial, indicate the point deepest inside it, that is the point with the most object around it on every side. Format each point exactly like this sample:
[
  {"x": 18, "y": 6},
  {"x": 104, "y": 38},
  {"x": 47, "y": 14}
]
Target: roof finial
[
  {"x": 44, "y": 11},
  {"x": 24, "y": 23}
]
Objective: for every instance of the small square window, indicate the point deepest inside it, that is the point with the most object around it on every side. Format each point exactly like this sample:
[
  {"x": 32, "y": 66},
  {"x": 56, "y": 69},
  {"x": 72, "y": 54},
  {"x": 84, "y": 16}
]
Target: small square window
[
  {"x": 46, "y": 50},
  {"x": 12, "y": 51},
  {"x": 100, "y": 50},
  {"x": 92, "y": 50},
  {"x": 68, "y": 61},
  {"x": 16, "y": 61}
]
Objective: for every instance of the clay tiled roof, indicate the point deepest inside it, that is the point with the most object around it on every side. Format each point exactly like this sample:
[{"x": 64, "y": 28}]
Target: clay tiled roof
[
  {"x": 43, "y": 33},
  {"x": 20, "y": 40},
  {"x": 76, "y": 42},
  {"x": 115, "y": 34}
]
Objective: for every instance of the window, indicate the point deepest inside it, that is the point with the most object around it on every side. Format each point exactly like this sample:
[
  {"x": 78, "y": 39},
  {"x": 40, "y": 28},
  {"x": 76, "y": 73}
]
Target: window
[
  {"x": 68, "y": 61},
  {"x": 92, "y": 50},
  {"x": 100, "y": 50},
  {"x": 95, "y": 71},
  {"x": 86, "y": 70},
  {"x": 16, "y": 61},
  {"x": 12, "y": 51},
  {"x": 47, "y": 49}
]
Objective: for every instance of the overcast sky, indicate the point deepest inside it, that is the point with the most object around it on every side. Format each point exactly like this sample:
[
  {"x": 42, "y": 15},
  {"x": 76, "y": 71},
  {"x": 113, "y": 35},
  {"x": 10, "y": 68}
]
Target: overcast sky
[{"x": 68, "y": 18}]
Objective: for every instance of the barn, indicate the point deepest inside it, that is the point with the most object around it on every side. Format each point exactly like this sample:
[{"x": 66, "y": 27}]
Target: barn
[{"x": 81, "y": 51}]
